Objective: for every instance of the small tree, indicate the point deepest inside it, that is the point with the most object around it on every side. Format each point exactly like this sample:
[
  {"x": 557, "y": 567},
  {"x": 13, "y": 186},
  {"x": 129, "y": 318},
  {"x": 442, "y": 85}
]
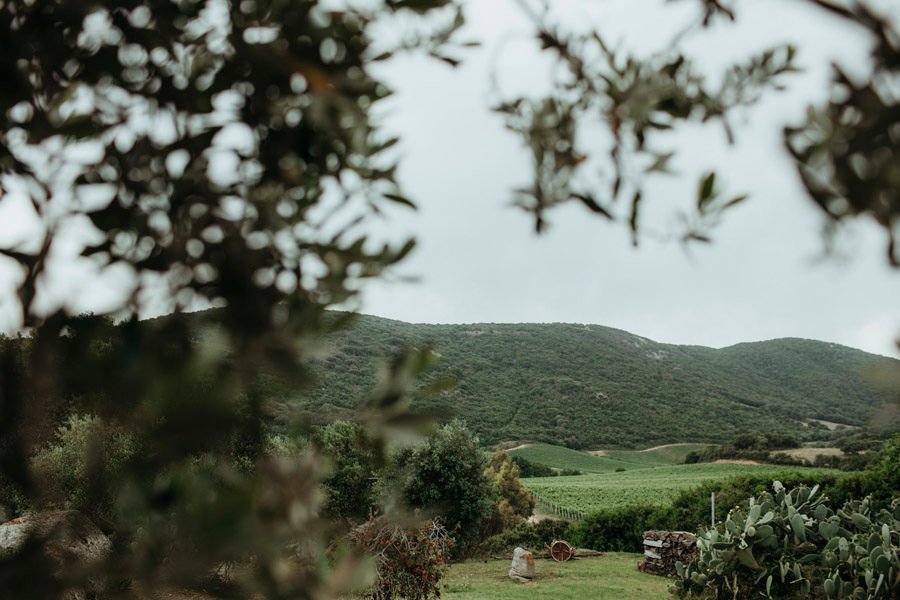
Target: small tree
[
  {"x": 532, "y": 469},
  {"x": 446, "y": 474},
  {"x": 354, "y": 460},
  {"x": 515, "y": 502},
  {"x": 80, "y": 467}
]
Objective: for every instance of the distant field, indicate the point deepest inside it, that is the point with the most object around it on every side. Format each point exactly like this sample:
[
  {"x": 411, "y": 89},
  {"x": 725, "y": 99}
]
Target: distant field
[
  {"x": 558, "y": 457},
  {"x": 657, "y": 485},
  {"x": 611, "y": 577},
  {"x": 675, "y": 453}
]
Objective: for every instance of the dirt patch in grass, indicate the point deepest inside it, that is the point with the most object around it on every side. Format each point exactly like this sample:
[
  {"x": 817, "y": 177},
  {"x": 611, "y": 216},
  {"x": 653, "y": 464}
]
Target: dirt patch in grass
[
  {"x": 667, "y": 446},
  {"x": 519, "y": 447},
  {"x": 832, "y": 425},
  {"x": 738, "y": 461}
]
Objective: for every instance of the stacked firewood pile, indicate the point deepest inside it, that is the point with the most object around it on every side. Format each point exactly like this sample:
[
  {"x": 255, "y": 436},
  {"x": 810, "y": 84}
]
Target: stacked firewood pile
[{"x": 662, "y": 549}]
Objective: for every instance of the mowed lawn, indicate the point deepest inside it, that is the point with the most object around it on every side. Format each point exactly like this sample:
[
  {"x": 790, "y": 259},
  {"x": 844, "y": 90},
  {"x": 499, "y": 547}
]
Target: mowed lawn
[{"x": 611, "y": 577}]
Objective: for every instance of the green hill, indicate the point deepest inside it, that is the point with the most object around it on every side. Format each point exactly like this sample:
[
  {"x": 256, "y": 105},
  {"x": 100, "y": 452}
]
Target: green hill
[{"x": 590, "y": 386}]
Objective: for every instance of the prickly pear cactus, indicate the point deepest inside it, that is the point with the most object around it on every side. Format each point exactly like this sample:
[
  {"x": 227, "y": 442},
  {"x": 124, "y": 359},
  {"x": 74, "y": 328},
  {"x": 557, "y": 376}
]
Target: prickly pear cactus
[{"x": 790, "y": 544}]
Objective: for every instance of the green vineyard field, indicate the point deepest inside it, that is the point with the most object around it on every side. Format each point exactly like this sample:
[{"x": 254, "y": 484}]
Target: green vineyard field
[{"x": 655, "y": 485}]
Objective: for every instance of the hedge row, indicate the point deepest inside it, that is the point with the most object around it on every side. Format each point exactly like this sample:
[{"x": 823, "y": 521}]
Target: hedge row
[{"x": 622, "y": 530}]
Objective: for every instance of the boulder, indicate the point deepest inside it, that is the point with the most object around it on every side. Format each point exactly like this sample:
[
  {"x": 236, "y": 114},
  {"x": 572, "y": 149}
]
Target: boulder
[
  {"x": 522, "y": 568},
  {"x": 72, "y": 540}
]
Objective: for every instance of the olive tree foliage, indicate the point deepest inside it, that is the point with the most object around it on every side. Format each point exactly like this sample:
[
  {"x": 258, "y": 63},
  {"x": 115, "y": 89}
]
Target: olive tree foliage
[
  {"x": 225, "y": 153},
  {"x": 847, "y": 153}
]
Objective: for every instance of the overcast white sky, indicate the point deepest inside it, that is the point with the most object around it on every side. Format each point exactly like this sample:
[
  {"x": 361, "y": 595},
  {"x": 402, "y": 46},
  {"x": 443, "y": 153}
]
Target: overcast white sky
[
  {"x": 478, "y": 259},
  {"x": 763, "y": 278}
]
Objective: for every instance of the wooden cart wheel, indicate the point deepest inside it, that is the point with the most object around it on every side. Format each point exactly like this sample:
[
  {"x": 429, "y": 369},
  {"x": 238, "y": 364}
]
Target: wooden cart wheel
[{"x": 561, "y": 551}]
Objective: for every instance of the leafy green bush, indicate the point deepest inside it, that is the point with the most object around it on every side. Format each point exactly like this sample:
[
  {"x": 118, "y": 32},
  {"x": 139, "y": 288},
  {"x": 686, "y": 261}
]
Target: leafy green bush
[
  {"x": 529, "y": 468},
  {"x": 355, "y": 460},
  {"x": 620, "y": 530},
  {"x": 862, "y": 451},
  {"x": 887, "y": 472},
  {"x": 790, "y": 544},
  {"x": 77, "y": 470},
  {"x": 514, "y": 502},
  {"x": 446, "y": 474},
  {"x": 532, "y": 536},
  {"x": 690, "y": 508},
  {"x": 748, "y": 446},
  {"x": 12, "y": 500}
]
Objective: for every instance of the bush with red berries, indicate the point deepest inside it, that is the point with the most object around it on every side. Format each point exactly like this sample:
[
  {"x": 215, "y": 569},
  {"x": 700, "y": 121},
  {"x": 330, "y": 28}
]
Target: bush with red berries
[{"x": 410, "y": 561}]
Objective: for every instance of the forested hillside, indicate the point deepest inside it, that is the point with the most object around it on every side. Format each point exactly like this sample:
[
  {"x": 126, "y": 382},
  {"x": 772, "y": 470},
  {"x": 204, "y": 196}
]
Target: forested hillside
[{"x": 593, "y": 386}]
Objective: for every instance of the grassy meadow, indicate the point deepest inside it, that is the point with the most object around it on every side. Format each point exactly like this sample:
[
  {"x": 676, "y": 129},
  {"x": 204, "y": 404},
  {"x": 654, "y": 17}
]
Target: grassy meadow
[{"x": 611, "y": 577}]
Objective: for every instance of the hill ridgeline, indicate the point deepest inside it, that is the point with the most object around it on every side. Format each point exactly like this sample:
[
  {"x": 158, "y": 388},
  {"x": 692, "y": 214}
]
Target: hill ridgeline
[{"x": 593, "y": 386}]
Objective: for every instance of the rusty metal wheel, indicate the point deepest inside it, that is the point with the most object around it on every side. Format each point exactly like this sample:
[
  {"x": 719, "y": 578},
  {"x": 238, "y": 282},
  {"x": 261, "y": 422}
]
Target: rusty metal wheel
[{"x": 561, "y": 551}]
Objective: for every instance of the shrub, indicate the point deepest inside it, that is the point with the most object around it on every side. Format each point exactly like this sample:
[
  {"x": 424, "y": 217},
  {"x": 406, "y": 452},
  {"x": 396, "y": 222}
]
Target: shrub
[
  {"x": 620, "y": 530},
  {"x": 861, "y": 452},
  {"x": 409, "y": 563},
  {"x": 533, "y": 536},
  {"x": 446, "y": 474},
  {"x": 12, "y": 500},
  {"x": 790, "y": 544},
  {"x": 78, "y": 468},
  {"x": 888, "y": 470},
  {"x": 354, "y": 459},
  {"x": 528, "y": 468},
  {"x": 515, "y": 502}
]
